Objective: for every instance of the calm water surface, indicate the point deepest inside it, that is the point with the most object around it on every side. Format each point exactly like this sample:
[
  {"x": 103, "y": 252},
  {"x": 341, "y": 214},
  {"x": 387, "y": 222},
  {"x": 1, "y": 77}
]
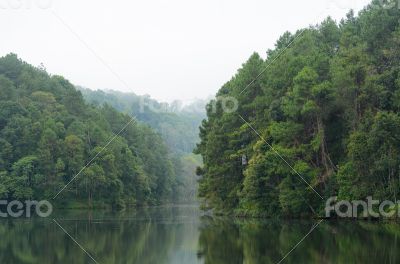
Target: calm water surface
[{"x": 185, "y": 235}]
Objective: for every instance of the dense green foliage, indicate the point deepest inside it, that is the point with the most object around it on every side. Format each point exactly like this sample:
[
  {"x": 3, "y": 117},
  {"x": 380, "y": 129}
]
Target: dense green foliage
[
  {"x": 178, "y": 126},
  {"x": 48, "y": 134},
  {"x": 329, "y": 105}
]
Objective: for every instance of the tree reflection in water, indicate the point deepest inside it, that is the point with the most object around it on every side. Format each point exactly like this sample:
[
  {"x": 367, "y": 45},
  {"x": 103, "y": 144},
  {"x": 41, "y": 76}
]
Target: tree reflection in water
[{"x": 184, "y": 235}]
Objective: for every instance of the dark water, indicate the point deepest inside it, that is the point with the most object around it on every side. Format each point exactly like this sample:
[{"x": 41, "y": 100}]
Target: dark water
[{"x": 185, "y": 235}]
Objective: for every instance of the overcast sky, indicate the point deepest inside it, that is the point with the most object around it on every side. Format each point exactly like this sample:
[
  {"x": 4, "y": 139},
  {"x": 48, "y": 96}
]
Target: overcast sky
[{"x": 169, "y": 49}]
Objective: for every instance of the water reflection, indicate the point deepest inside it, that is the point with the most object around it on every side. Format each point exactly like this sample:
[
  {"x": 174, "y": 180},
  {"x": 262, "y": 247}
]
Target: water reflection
[
  {"x": 184, "y": 235},
  {"x": 255, "y": 242}
]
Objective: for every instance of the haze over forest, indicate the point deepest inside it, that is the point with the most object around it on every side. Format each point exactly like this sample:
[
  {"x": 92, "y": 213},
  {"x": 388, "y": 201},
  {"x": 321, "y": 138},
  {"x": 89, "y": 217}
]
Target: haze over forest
[{"x": 199, "y": 132}]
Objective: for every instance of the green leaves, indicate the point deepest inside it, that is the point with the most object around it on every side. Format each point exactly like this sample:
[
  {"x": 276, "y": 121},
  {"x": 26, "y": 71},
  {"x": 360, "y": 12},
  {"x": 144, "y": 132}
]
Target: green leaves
[
  {"x": 48, "y": 134},
  {"x": 328, "y": 105}
]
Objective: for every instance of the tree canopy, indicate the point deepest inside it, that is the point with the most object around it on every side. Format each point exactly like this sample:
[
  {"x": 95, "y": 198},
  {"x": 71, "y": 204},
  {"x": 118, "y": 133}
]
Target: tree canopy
[
  {"x": 48, "y": 134},
  {"x": 329, "y": 104}
]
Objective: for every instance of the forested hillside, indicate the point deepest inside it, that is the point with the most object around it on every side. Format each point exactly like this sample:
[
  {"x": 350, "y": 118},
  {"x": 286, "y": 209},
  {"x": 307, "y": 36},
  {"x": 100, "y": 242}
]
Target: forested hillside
[
  {"x": 329, "y": 105},
  {"x": 178, "y": 125},
  {"x": 48, "y": 134}
]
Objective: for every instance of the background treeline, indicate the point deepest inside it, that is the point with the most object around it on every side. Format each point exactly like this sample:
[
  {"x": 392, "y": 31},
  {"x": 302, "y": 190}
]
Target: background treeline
[
  {"x": 48, "y": 133},
  {"x": 329, "y": 104},
  {"x": 178, "y": 125}
]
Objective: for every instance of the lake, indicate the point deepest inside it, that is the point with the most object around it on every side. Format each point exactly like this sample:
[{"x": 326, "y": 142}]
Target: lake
[{"x": 184, "y": 234}]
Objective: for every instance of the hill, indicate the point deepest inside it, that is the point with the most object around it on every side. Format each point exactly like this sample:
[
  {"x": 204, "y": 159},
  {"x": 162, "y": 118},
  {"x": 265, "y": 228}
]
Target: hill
[
  {"x": 327, "y": 100},
  {"x": 48, "y": 134},
  {"x": 178, "y": 125}
]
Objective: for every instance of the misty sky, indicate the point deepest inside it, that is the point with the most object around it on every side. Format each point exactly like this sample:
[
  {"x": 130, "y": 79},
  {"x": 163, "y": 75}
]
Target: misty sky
[{"x": 169, "y": 49}]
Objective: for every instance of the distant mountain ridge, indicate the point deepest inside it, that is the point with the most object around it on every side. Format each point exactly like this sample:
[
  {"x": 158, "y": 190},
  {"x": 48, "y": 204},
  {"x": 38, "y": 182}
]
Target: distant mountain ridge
[
  {"x": 178, "y": 124},
  {"x": 48, "y": 133}
]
